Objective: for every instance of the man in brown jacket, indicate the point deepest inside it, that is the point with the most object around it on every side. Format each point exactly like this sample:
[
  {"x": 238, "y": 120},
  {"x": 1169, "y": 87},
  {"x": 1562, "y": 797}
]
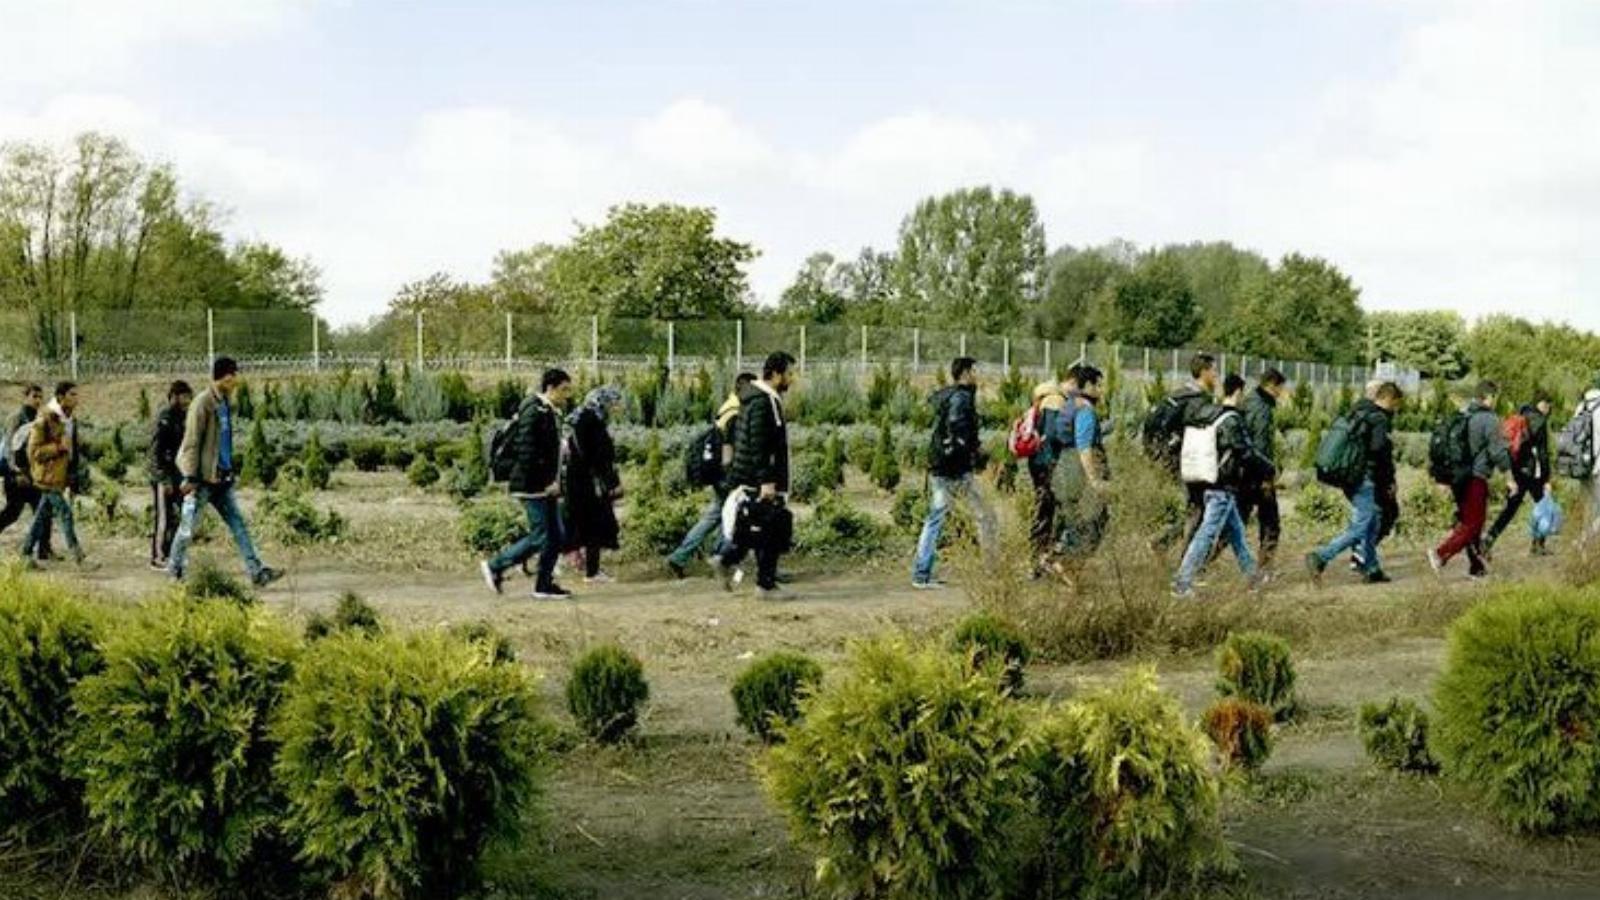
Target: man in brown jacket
[
  {"x": 206, "y": 465},
  {"x": 52, "y": 460}
]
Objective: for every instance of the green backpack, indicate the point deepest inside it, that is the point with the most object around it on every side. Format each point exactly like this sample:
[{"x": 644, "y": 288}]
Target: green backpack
[{"x": 1342, "y": 455}]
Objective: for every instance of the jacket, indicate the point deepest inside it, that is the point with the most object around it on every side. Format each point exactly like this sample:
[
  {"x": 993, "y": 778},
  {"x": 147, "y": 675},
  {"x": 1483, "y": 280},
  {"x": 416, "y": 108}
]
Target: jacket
[
  {"x": 22, "y": 419},
  {"x": 1536, "y": 464},
  {"x": 165, "y": 440},
  {"x": 760, "y": 441},
  {"x": 1486, "y": 442},
  {"x": 1198, "y": 406},
  {"x": 956, "y": 446},
  {"x": 535, "y": 448},
  {"x": 1591, "y": 399},
  {"x": 52, "y": 449},
  {"x": 1376, "y": 425},
  {"x": 200, "y": 453},
  {"x": 1260, "y": 409},
  {"x": 589, "y": 481}
]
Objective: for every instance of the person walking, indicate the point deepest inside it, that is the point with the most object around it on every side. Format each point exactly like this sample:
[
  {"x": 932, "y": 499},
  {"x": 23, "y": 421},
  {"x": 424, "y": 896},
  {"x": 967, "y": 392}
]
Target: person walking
[
  {"x": 758, "y": 481},
  {"x": 53, "y": 467},
  {"x": 15, "y": 474},
  {"x": 535, "y": 481},
  {"x": 591, "y": 483},
  {"x": 954, "y": 454},
  {"x": 1584, "y": 456},
  {"x": 166, "y": 495},
  {"x": 1190, "y": 406},
  {"x": 710, "y": 521},
  {"x": 206, "y": 465},
  {"x": 1049, "y": 400},
  {"x": 1388, "y": 501},
  {"x": 1530, "y": 468},
  {"x": 1371, "y": 421},
  {"x": 1260, "y": 500},
  {"x": 1238, "y": 465},
  {"x": 1487, "y": 451},
  {"x": 1081, "y": 478}
]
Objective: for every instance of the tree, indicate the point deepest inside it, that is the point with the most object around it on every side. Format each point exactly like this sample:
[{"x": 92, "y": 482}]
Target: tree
[
  {"x": 458, "y": 317},
  {"x": 520, "y": 281},
  {"x": 268, "y": 278},
  {"x": 1220, "y": 275},
  {"x": 1433, "y": 343},
  {"x": 972, "y": 259},
  {"x": 1153, "y": 306},
  {"x": 819, "y": 292},
  {"x": 1524, "y": 357},
  {"x": 1307, "y": 309},
  {"x": 1076, "y": 285}
]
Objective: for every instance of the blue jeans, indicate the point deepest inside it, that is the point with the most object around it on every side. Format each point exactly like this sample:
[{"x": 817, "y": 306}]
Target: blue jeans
[
  {"x": 52, "y": 505},
  {"x": 543, "y": 537},
  {"x": 1366, "y": 523},
  {"x": 945, "y": 491},
  {"x": 221, "y": 498},
  {"x": 1219, "y": 519},
  {"x": 710, "y": 523}
]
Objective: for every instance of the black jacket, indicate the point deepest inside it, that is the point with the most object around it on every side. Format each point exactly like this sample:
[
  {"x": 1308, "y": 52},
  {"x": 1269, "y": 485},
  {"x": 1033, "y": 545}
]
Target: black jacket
[
  {"x": 590, "y": 478},
  {"x": 1260, "y": 409},
  {"x": 24, "y": 416},
  {"x": 1376, "y": 424},
  {"x": 760, "y": 442},
  {"x": 1198, "y": 406},
  {"x": 535, "y": 448},
  {"x": 956, "y": 448},
  {"x": 162, "y": 461},
  {"x": 1535, "y": 465}
]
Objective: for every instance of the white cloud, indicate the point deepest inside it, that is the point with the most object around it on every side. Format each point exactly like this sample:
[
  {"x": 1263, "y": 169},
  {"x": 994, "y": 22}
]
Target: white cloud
[{"x": 701, "y": 140}]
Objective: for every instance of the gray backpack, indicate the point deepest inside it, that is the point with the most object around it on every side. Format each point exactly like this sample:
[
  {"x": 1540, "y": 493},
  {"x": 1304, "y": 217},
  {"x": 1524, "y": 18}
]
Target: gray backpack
[{"x": 1575, "y": 444}]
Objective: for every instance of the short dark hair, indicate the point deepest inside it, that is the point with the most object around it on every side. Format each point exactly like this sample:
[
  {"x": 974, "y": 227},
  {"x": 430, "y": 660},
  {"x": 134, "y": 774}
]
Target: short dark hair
[
  {"x": 1487, "y": 389},
  {"x": 778, "y": 363},
  {"x": 1389, "y": 391},
  {"x": 1273, "y": 378},
  {"x": 960, "y": 366},
  {"x": 1542, "y": 395},
  {"x": 1233, "y": 384},
  {"x": 553, "y": 378},
  {"x": 32, "y": 389},
  {"x": 1200, "y": 363},
  {"x": 744, "y": 379},
  {"x": 180, "y": 388},
  {"x": 1087, "y": 375},
  {"x": 223, "y": 367},
  {"x": 64, "y": 388}
]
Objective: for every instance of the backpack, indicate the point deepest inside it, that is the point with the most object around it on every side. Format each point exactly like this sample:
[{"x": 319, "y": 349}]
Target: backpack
[
  {"x": 1341, "y": 460},
  {"x": 17, "y": 449},
  {"x": 1025, "y": 439},
  {"x": 1575, "y": 444},
  {"x": 1162, "y": 433},
  {"x": 702, "y": 459},
  {"x": 501, "y": 458},
  {"x": 1200, "y": 459},
  {"x": 1449, "y": 452}
]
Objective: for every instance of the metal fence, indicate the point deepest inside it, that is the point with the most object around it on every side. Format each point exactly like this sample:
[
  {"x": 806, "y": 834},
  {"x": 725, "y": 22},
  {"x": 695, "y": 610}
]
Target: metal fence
[{"x": 111, "y": 343}]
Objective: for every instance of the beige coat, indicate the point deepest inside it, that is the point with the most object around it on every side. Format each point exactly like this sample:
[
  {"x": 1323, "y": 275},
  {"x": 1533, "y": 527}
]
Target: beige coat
[{"x": 201, "y": 450}]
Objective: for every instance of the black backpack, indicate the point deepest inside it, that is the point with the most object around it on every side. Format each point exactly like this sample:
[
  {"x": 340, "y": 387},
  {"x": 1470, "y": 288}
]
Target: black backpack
[
  {"x": 702, "y": 459},
  {"x": 1449, "y": 451},
  {"x": 1162, "y": 432},
  {"x": 501, "y": 441}
]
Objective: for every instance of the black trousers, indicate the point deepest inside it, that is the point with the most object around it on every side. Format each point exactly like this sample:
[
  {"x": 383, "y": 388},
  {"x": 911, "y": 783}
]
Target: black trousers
[
  {"x": 166, "y": 507},
  {"x": 1042, "y": 533},
  {"x": 1525, "y": 490},
  {"x": 1261, "y": 500},
  {"x": 20, "y": 496},
  {"x": 769, "y": 533}
]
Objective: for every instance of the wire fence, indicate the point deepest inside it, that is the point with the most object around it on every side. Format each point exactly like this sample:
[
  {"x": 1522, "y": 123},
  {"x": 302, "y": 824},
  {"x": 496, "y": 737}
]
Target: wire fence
[{"x": 116, "y": 343}]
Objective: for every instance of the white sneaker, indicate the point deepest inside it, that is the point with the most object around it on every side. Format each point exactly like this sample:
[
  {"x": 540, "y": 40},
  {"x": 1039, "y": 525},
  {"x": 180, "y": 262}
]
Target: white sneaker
[
  {"x": 932, "y": 584},
  {"x": 601, "y": 577},
  {"x": 489, "y": 577},
  {"x": 1434, "y": 562}
]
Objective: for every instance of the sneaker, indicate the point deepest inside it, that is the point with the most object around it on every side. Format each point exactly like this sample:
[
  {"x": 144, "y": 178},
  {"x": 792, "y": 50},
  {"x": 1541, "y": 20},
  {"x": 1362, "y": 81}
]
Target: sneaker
[
  {"x": 176, "y": 575},
  {"x": 551, "y": 591},
  {"x": 157, "y": 566},
  {"x": 493, "y": 579},
  {"x": 266, "y": 576},
  {"x": 784, "y": 578},
  {"x": 598, "y": 578},
  {"x": 1377, "y": 577},
  {"x": 724, "y": 573},
  {"x": 677, "y": 569},
  {"x": 932, "y": 584},
  {"x": 1434, "y": 562},
  {"x": 1188, "y": 593},
  {"x": 775, "y": 594},
  {"x": 1316, "y": 567}
]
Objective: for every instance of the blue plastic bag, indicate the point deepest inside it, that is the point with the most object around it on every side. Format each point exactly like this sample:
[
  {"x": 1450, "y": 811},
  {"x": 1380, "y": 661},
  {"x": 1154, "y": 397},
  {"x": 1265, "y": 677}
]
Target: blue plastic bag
[{"x": 1547, "y": 518}]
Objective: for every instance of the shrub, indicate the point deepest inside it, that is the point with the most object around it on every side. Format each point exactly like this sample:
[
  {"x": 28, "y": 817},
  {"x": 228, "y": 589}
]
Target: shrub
[
  {"x": 605, "y": 692},
  {"x": 143, "y": 410},
  {"x": 1241, "y": 730},
  {"x": 173, "y": 743},
  {"x": 402, "y": 757},
  {"x": 367, "y": 455},
  {"x": 985, "y": 641},
  {"x": 315, "y": 469},
  {"x": 656, "y": 525},
  {"x": 904, "y": 777},
  {"x": 885, "y": 467},
  {"x": 398, "y": 455},
  {"x": 114, "y": 462},
  {"x": 49, "y": 641},
  {"x": 1255, "y": 666},
  {"x": 486, "y": 636},
  {"x": 351, "y": 615},
  {"x": 1319, "y": 506},
  {"x": 908, "y": 509},
  {"x": 803, "y": 477},
  {"x": 422, "y": 472},
  {"x": 260, "y": 462},
  {"x": 830, "y": 465},
  {"x": 207, "y": 582},
  {"x": 767, "y": 693},
  {"x": 1126, "y": 796},
  {"x": 290, "y": 517},
  {"x": 836, "y": 528},
  {"x": 1395, "y": 735},
  {"x": 471, "y": 473},
  {"x": 1517, "y": 706},
  {"x": 487, "y": 524}
]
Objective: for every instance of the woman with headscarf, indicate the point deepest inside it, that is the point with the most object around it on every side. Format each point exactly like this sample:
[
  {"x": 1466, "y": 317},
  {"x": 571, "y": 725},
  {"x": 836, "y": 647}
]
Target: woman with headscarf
[{"x": 592, "y": 483}]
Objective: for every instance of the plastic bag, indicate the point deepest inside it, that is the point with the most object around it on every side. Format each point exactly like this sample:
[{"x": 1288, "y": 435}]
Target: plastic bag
[{"x": 1547, "y": 517}]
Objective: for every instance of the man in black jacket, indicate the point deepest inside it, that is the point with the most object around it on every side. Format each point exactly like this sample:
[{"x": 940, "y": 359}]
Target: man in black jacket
[
  {"x": 759, "y": 473},
  {"x": 1530, "y": 467},
  {"x": 166, "y": 500},
  {"x": 535, "y": 480},
  {"x": 956, "y": 453},
  {"x": 19, "y": 489},
  {"x": 1260, "y": 411},
  {"x": 1239, "y": 465},
  {"x": 1191, "y": 406},
  {"x": 1372, "y": 420}
]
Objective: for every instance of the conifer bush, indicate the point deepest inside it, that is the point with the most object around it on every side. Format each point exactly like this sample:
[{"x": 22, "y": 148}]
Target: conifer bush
[
  {"x": 656, "y": 524},
  {"x": 207, "y": 582},
  {"x": 1256, "y": 666},
  {"x": 988, "y": 643},
  {"x": 885, "y": 466},
  {"x": 398, "y": 455},
  {"x": 838, "y": 529},
  {"x": 402, "y": 758},
  {"x": 351, "y": 615},
  {"x": 1518, "y": 704},
  {"x": 49, "y": 641},
  {"x": 291, "y": 518},
  {"x": 422, "y": 472},
  {"x": 767, "y": 693},
  {"x": 172, "y": 739},
  {"x": 606, "y": 689},
  {"x": 367, "y": 454},
  {"x": 1395, "y": 735},
  {"x": 1241, "y": 731},
  {"x": 315, "y": 469},
  {"x": 486, "y": 636},
  {"x": 260, "y": 462},
  {"x": 489, "y": 523}
]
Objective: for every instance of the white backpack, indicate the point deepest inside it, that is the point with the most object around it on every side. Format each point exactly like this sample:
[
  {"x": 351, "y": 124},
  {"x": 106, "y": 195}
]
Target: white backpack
[{"x": 1200, "y": 460}]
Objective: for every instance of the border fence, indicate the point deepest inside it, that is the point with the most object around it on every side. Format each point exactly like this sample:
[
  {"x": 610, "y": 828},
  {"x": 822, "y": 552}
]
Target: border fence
[{"x": 115, "y": 343}]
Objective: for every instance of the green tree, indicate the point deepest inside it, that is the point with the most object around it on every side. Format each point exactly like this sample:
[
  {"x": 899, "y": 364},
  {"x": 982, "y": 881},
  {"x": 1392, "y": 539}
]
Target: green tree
[
  {"x": 1307, "y": 309},
  {"x": 1433, "y": 343},
  {"x": 1524, "y": 357},
  {"x": 972, "y": 259},
  {"x": 1153, "y": 306},
  {"x": 1219, "y": 275},
  {"x": 268, "y": 278},
  {"x": 819, "y": 292},
  {"x": 1077, "y": 283}
]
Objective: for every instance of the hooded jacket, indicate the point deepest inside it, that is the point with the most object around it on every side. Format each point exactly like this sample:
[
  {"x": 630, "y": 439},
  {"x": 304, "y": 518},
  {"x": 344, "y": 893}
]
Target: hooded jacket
[
  {"x": 535, "y": 448},
  {"x": 760, "y": 440},
  {"x": 956, "y": 447},
  {"x": 1486, "y": 442},
  {"x": 162, "y": 461},
  {"x": 1376, "y": 423},
  {"x": 1260, "y": 409}
]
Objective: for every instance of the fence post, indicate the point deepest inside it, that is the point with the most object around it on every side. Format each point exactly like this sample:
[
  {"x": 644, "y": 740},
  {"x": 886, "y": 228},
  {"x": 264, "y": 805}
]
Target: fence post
[
  {"x": 738, "y": 344},
  {"x": 72, "y": 326},
  {"x": 1174, "y": 370},
  {"x": 211, "y": 338},
  {"x": 963, "y": 343},
  {"x": 916, "y": 349},
  {"x": 316, "y": 343},
  {"x": 863, "y": 349},
  {"x": 419, "y": 340},
  {"x": 1223, "y": 368},
  {"x": 1047, "y": 372},
  {"x": 508, "y": 342},
  {"x": 672, "y": 344},
  {"x": 1005, "y": 355},
  {"x": 1083, "y": 352},
  {"x": 594, "y": 346},
  {"x": 802, "y": 349},
  {"x": 1147, "y": 362}
]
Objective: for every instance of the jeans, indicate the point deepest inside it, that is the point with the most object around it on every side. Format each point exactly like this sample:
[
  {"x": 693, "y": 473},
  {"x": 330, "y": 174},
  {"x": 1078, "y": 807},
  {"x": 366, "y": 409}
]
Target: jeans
[
  {"x": 221, "y": 497},
  {"x": 1472, "y": 510},
  {"x": 543, "y": 537},
  {"x": 1366, "y": 522},
  {"x": 1219, "y": 519},
  {"x": 52, "y": 504},
  {"x": 945, "y": 491},
  {"x": 710, "y": 523}
]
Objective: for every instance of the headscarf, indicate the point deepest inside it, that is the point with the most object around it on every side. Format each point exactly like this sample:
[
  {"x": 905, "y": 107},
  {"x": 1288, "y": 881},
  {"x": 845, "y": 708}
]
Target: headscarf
[{"x": 598, "y": 401}]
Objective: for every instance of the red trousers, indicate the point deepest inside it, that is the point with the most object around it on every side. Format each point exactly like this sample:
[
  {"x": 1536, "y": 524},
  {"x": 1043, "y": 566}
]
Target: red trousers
[{"x": 1472, "y": 511}]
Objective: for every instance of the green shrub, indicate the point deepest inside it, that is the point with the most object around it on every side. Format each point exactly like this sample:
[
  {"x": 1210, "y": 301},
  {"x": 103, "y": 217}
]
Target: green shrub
[
  {"x": 767, "y": 693},
  {"x": 49, "y": 641},
  {"x": 471, "y": 473},
  {"x": 207, "y": 582},
  {"x": 403, "y": 756},
  {"x": 605, "y": 692},
  {"x": 114, "y": 462},
  {"x": 1395, "y": 735},
  {"x": 859, "y": 448},
  {"x": 173, "y": 741},
  {"x": 1517, "y": 706},
  {"x": 351, "y": 615},
  {"x": 487, "y": 524},
  {"x": 804, "y": 484},
  {"x": 904, "y": 778},
  {"x": 830, "y": 465},
  {"x": 987, "y": 643},
  {"x": 1241, "y": 731},
  {"x": 837, "y": 529},
  {"x": 422, "y": 472},
  {"x": 1319, "y": 506},
  {"x": 908, "y": 509},
  {"x": 143, "y": 410},
  {"x": 291, "y": 518},
  {"x": 1126, "y": 795},
  {"x": 486, "y": 636},
  {"x": 398, "y": 455},
  {"x": 885, "y": 466},
  {"x": 1256, "y": 666},
  {"x": 260, "y": 461},
  {"x": 657, "y": 525},
  {"x": 1429, "y": 510},
  {"x": 368, "y": 455},
  {"x": 315, "y": 469}
]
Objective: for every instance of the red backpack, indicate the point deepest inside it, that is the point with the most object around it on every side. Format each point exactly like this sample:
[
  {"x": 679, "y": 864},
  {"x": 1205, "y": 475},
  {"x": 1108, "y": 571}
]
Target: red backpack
[{"x": 1025, "y": 440}]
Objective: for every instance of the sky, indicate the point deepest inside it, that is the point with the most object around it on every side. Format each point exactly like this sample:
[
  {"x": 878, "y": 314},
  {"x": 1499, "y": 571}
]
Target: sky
[{"x": 1444, "y": 154}]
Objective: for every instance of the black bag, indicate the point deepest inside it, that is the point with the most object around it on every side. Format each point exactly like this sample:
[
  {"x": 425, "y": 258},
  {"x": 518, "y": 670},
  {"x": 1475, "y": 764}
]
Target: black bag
[
  {"x": 1449, "y": 451},
  {"x": 1341, "y": 459},
  {"x": 764, "y": 523},
  {"x": 1162, "y": 433},
  {"x": 501, "y": 440},
  {"x": 702, "y": 459}
]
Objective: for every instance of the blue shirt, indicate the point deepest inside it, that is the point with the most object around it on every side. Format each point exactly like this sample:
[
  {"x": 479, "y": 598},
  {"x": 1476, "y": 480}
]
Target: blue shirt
[{"x": 225, "y": 440}]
